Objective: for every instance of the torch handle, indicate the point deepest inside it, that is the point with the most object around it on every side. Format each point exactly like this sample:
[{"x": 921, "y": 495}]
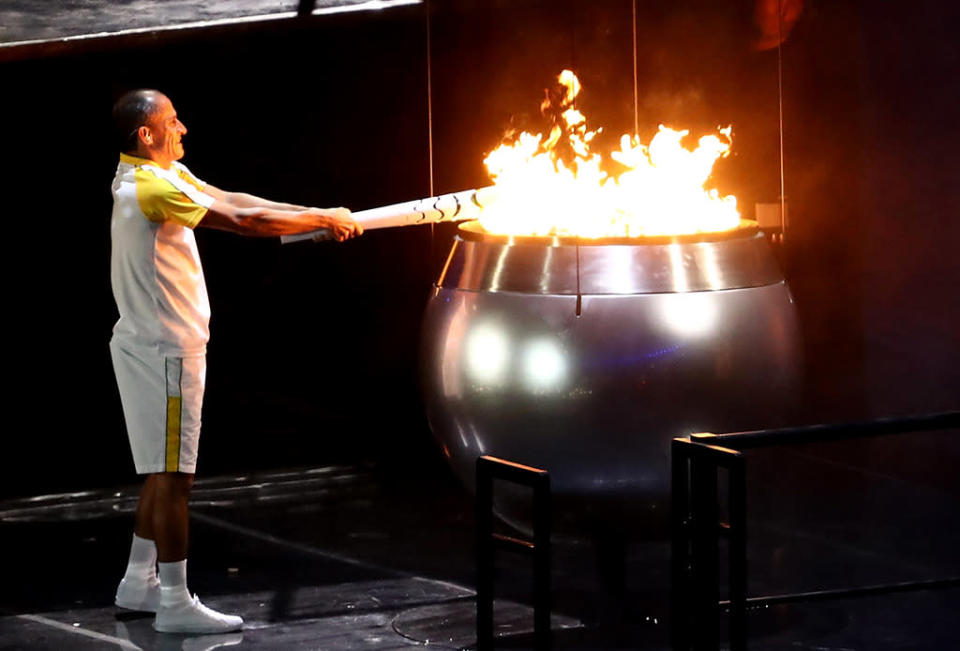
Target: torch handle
[{"x": 456, "y": 206}]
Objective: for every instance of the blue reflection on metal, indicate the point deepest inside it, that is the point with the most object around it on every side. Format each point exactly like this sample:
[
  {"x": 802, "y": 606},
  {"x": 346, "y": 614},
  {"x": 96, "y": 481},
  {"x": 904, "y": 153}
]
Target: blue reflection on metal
[{"x": 621, "y": 361}]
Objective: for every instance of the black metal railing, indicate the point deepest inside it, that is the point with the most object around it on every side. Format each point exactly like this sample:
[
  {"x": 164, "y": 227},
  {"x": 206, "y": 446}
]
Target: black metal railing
[
  {"x": 488, "y": 541},
  {"x": 696, "y": 534},
  {"x": 697, "y": 528}
]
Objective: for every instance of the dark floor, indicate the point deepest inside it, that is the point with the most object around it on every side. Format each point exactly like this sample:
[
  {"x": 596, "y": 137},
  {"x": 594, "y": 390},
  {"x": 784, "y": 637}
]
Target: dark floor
[{"x": 363, "y": 557}]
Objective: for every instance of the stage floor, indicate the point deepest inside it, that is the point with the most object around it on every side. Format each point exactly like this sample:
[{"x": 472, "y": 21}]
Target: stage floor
[{"x": 366, "y": 557}]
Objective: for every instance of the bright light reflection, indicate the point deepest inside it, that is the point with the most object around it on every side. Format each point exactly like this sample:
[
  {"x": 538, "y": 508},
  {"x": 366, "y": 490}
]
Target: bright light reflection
[
  {"x": 620, "y": 269},
  {"x": 711, "y": 267},
  {"x": 481, "y": 448},
  {"x": 487, "y": 351},
  {"x": 544, "y": 366},
  {"x": 678, "y": 268},
  {"x": 692, "y": 314}
]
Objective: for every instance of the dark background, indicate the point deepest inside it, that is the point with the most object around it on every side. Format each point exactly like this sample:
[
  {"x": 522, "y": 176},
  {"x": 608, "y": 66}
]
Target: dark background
[{"x": 313, "y": 357}]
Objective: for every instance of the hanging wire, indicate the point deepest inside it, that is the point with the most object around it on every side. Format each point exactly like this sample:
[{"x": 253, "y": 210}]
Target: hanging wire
[
  {"x": 573, "y": 66},
  {"x": 572, "y": 21},
  {"x": 636, "y": 84},
  {"x": 579, "y": 308},
  {"x": 783, "y": 192},
  {"x": 433, "y": 251},
  {"x": 429, "y": 99}
]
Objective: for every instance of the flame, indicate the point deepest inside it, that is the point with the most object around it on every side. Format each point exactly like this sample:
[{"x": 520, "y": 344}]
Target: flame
[{"x": 555, "y": 185}]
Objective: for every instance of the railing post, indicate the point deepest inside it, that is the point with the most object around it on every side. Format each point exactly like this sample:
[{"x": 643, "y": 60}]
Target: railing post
[
  {"x": 487, "y": 470},
  {"x": 541, "y": 562},
  {"x": 738, "y": 553},
  {"x": 305, "y": 7},
  {"x": 705, "y": 608},
  {"x": 696, "y": 543},
  {"x": 484, "y": 547},
  {"x": 680, "y": 544}
]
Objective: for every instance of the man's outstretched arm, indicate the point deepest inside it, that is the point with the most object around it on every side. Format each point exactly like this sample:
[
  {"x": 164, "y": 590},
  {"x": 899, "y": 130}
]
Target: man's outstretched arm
[
  {"x": 247, "y": 214},
  {"x": 244, "y": 200}
]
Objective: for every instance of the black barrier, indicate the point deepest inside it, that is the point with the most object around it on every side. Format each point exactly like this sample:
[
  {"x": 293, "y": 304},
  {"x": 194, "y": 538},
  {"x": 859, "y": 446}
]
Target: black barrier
[
  {"x": 697, "y": 529},
  {"x": 489, "y": 469}
]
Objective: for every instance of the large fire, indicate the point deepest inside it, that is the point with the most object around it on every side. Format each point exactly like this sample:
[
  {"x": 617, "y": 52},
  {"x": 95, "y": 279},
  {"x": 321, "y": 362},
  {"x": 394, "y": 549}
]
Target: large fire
[{"x": 556, "y": 186}]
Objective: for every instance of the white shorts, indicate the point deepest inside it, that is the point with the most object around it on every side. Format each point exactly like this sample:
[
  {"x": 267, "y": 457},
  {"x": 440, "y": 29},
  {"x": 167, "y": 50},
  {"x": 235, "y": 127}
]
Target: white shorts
[{"x": 161, "y": 398}]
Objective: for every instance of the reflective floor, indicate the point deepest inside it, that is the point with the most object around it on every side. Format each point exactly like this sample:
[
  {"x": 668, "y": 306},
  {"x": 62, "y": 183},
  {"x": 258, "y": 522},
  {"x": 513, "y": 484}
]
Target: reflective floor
[
  {"x": 24, "y": 21},
  {"x": 363, "y": 557}
]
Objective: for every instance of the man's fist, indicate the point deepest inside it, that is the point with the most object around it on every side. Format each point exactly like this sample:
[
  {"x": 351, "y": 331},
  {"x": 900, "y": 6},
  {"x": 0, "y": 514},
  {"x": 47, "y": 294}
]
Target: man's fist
[{"x": 338, "y": 221}]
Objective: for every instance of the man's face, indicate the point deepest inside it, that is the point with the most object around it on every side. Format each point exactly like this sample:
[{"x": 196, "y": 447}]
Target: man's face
[{"x": 163, "y": 133}]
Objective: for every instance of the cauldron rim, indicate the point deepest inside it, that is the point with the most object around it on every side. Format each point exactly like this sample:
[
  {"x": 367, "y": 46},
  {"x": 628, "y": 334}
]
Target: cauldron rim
[
  {"x": 734, "y": 259},
  {"x": 472, "y": 231}
]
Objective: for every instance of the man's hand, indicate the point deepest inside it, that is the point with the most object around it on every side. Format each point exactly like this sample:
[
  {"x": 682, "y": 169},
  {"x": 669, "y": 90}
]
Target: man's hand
[{"x": 338, "y": 222}]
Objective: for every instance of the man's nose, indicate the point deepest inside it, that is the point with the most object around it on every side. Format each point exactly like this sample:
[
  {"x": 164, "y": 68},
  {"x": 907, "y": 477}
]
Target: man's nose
[{"x": 183, "y": 127}]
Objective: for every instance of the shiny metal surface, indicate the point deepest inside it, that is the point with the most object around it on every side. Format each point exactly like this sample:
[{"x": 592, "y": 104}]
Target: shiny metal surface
[
  {"x": 480, "y": 262},
  {"x": 595, "y": 398}
]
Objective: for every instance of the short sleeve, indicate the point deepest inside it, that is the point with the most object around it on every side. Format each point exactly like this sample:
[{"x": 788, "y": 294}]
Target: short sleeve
[
  {"x": 184, "y": 173},
  {"x": 164, "y": 195}
]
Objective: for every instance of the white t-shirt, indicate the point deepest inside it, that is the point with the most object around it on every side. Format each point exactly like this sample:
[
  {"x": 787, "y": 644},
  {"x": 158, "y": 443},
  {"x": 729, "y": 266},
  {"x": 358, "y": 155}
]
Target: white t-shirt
[{"x": 155, "y": 267}]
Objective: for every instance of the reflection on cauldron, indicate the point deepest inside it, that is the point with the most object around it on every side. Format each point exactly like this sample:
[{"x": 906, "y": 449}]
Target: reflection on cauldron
[{"x": 494, "y": 361}]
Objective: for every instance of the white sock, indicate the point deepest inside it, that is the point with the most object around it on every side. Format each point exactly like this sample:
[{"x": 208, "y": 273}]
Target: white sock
[
  {"x": 173, "y": 583},
  {"x": 143, "y": 559}
]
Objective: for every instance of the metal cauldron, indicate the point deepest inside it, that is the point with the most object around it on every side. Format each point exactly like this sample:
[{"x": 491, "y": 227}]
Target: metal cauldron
[{"x": 586, "y": 358}]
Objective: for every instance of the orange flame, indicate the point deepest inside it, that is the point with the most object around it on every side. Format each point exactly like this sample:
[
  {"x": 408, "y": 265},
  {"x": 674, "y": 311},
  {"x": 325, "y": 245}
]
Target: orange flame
[{"x": 661, "y": 192}]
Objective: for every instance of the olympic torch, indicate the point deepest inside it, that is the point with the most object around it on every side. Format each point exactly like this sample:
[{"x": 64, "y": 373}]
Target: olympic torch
[{"x": 456, "y": 206}]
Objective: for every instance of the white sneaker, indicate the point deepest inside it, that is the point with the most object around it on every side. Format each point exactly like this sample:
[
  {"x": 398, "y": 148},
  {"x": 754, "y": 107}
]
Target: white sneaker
[
  {"x": 193, "y": 617},
  {"x": 137, "y": 594}
]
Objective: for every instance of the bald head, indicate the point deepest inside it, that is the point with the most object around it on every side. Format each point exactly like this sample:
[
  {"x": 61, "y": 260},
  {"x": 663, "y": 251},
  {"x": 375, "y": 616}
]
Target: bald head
[{"x": 132, "y": 111}]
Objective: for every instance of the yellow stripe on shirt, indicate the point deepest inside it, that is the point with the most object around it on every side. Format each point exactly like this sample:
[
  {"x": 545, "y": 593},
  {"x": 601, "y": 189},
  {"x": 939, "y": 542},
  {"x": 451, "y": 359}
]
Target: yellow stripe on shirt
[{"x": 160, "y": 201}]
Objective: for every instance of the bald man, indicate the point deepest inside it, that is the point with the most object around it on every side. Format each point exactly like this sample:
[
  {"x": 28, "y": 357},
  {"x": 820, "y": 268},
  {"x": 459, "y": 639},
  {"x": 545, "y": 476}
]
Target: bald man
[{"x": 159, "y": 343}]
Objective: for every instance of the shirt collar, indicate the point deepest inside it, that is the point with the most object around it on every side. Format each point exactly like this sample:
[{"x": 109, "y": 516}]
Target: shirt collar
[{"x": 137, "y": 161}]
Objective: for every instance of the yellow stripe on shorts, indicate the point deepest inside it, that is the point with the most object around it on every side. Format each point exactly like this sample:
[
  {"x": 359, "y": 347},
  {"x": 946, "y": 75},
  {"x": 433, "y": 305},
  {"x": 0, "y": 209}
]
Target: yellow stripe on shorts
[{"x": 173, "y": 434}]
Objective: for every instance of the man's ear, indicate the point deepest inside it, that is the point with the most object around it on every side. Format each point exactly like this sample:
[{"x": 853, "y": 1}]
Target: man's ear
[{"x": 144, "y": 134}]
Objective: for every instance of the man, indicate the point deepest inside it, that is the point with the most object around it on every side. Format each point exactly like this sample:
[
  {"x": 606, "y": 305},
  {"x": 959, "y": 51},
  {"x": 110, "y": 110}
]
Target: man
[{"x": 159, "y": 343}]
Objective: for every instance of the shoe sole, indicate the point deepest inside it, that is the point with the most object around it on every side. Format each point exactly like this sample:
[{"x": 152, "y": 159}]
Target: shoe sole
[
  {"x": 139, "y": 607},
  {"x": 195, "y": 631}
]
